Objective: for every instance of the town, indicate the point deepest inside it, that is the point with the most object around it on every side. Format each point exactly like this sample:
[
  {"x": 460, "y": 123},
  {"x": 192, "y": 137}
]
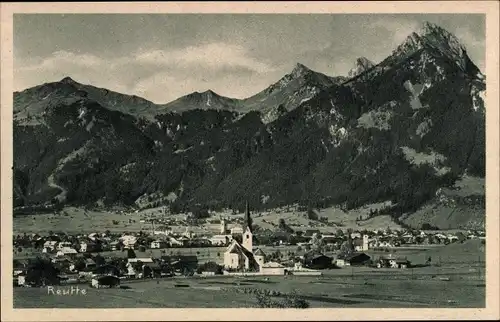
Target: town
[{"x": 106, "y": 258}]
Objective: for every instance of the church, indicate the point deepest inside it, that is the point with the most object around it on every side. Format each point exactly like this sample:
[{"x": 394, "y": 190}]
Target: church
[{"x": 239, "y": 256}]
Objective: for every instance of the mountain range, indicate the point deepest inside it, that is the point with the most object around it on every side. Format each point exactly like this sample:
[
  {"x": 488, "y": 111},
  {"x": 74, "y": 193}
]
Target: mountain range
[{"x": 409, "y": 130}]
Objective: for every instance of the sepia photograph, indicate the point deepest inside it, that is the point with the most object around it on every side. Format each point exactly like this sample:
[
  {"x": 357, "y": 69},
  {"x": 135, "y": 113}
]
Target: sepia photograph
[{"x": 249, "y": 160}]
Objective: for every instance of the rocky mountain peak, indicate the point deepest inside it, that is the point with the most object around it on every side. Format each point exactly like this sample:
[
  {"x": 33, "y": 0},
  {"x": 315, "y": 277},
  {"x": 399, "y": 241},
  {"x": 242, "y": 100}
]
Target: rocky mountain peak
[
  {"x": 429, "y": 35},
  {"x": 362, "y": 64},
  {"x": 300, "y": 70},
  {"x": 67, "y": 80}
]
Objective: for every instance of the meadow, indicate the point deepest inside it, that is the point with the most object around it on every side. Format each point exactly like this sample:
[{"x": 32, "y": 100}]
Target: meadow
[{"x": 364, "y": 289}]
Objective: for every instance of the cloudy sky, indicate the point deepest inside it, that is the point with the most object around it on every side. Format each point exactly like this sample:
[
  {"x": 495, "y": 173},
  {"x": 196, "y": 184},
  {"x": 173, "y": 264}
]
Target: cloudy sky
[{"x": 162, "y": 57}]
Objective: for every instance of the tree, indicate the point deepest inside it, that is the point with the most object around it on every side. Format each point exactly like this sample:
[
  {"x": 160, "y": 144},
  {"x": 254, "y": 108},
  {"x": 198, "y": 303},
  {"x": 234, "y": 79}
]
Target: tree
[
  {"x": 317, "y": 242},
  {"x": 99, "y": 260},
  {"x": 282, "y": 224},
  {"x": 291, "y": 300},
  {"x": 131, "y": 253},
  {"x": 461, "y": 237},
  {"x": 311, "y": 214},
  {"x": 42, "y": 272}
]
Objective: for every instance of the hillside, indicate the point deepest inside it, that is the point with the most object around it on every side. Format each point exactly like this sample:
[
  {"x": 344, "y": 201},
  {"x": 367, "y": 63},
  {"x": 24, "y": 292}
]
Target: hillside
[{"x": 399, "y": 131}]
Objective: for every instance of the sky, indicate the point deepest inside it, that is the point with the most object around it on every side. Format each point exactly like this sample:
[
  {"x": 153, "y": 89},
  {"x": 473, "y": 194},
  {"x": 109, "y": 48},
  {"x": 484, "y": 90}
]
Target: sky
[{"x": 161, "y": 57}]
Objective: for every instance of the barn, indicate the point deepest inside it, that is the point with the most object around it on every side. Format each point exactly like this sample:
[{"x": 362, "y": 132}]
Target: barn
[{"x": 106, "y": 281}]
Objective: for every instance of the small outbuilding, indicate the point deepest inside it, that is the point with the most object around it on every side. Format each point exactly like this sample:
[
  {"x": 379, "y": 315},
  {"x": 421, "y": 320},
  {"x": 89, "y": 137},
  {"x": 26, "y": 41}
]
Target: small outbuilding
[
  {"x": 357, "y": 259},
  {"x": 107, "y": 281},
  {"x": 272, "y": 268}
]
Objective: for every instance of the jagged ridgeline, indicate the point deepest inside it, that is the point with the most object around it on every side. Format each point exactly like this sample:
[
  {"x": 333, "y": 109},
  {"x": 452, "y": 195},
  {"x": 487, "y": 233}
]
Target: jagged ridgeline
[{"x": 401, "y": 130}]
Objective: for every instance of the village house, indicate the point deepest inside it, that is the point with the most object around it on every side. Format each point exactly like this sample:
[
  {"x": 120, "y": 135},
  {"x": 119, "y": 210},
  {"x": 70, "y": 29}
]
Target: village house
[
  {"x": 66, "y": 251},
  {"x": 237, "y": 230},
  {"x": 106, "y": 269},
  {"x": 128, "y": 241},
  {"x": 393, "y": 262},
  {"x": 361, "y": 244},
  {"x": 331, "y": 239},
  {"x": 64, "y": 244},
  {"x": 115, "y": 245},
  {"x": 89, "y": 264},
  {"x": 152, "y": 270},
  {"x": 272, "y": 268},
  {"x": 142, "y": 260},
  {"x": 90, "y": 246},
  {"x": 340, "y": 262},
  {"x": 107, "y": 281},
  {"x": 49, "y": 246},
  {"x": 317, "y": 260},
  {"x": 159, "y": 244},
  {"x": 188, "y": 234},
  {"x": 355, "y": 235},
  {"x": 309, "y": 233},
  {"x": 221, "y": 239},
  {"x": 356, "y": 259}
]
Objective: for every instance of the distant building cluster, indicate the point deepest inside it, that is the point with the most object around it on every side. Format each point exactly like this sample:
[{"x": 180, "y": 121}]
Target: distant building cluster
[{"x": 59, "y": 257}]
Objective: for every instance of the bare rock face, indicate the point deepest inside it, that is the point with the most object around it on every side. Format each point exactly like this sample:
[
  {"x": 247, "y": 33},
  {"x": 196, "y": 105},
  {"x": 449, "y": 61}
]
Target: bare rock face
[{"x": 362, "y": 64}]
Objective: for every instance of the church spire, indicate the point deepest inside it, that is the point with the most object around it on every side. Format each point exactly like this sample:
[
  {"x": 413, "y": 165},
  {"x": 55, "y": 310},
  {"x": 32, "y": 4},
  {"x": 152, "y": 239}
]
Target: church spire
[{"x": 248, "y": 219}]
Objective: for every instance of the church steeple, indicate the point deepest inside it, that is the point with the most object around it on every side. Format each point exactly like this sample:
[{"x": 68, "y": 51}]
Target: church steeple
[
  {"x": 247, "y": 230},
  {"x": 248, "y": 219}
]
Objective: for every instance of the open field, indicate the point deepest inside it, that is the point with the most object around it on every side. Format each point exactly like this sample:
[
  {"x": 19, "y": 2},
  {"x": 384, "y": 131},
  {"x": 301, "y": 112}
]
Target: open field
[
  {"x": 74, "y": 219},
  {"x": 335, "y": 289}
]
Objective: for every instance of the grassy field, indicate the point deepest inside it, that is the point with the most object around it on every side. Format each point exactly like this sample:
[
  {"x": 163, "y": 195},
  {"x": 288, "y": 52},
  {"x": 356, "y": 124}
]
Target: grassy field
[
  {"x": 364, "y": 289},
  {"x": 76, "y": 220}
]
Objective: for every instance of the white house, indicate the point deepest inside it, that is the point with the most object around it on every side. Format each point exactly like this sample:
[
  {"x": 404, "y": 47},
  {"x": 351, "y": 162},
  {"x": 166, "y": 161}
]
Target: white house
[
  {"x": 221, "y": 239},
  {"x": 355, "y": 235},
  {"x": 272, "y": 268},
  {"x": 62, "y": 245},
  {"x": 50, "y": 245},
  {"x": 260, "y": 257},
  {"x": 66, "y": 251},
  {"x": 128, "y": 241},
  {"x": 83, "y": 247},
  {"x": 143, "y": 260},
  {"x": 236, "y": 230},
  {"x": 157, "y": 244}
]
